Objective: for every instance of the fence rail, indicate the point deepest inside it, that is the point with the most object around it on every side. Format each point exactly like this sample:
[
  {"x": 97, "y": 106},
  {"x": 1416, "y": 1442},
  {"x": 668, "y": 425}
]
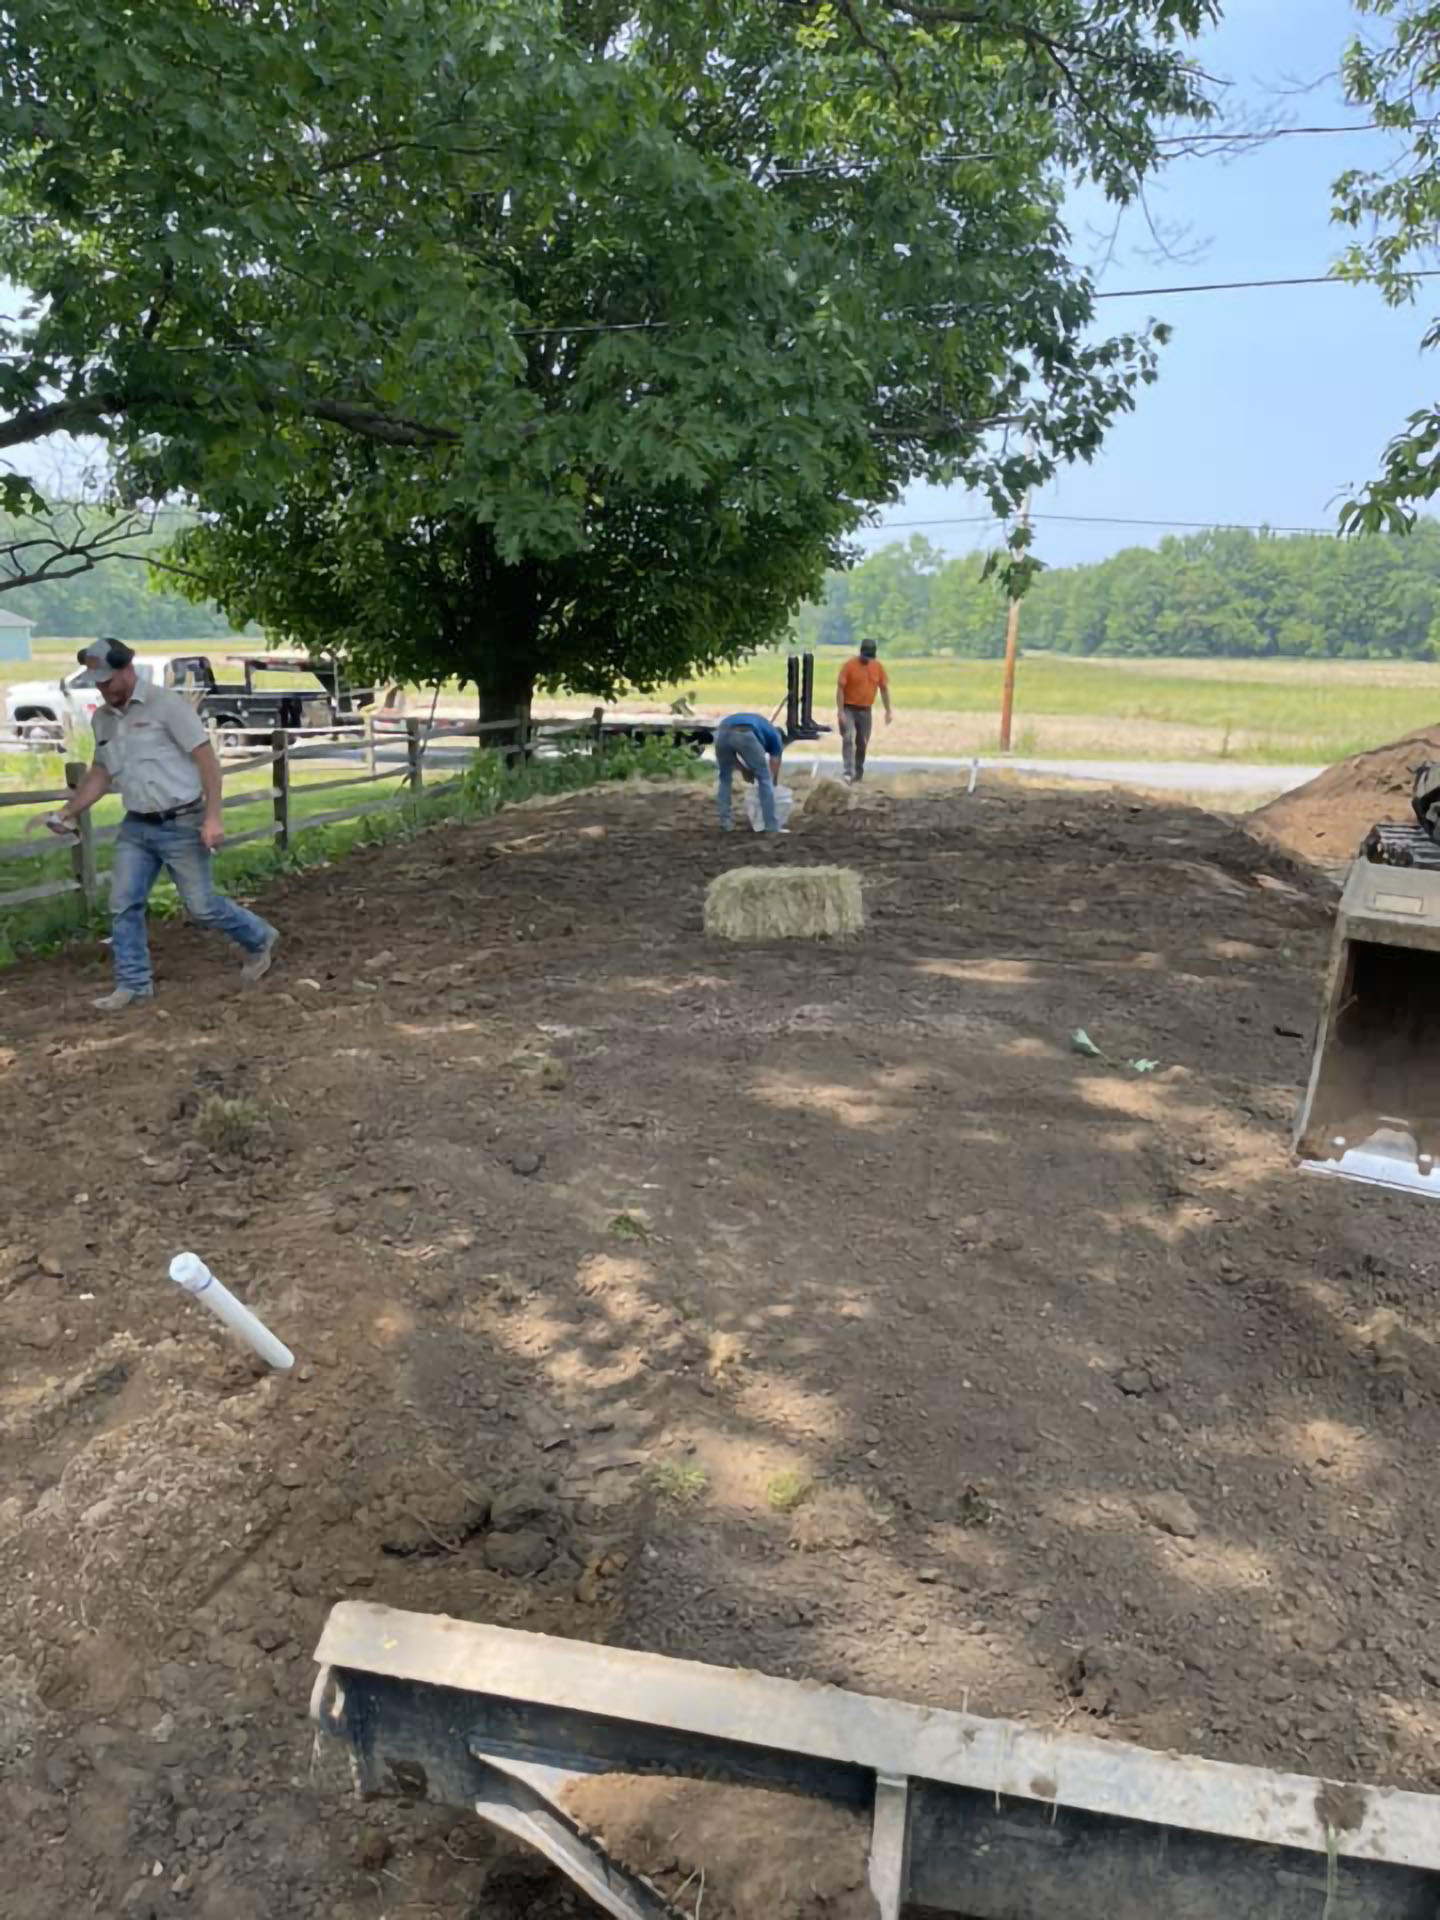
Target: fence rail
[{"x": 395, "y": 754}]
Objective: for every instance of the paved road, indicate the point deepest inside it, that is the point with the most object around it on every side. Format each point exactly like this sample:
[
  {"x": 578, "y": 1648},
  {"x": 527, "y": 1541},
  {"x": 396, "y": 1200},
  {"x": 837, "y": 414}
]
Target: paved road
[
  {"x": 1181, "y": 776},
  {"x": 1193, "y": 776}
]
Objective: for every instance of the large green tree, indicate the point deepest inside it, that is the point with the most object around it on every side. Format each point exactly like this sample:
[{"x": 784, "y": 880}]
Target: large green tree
[
  {"x": 1395, "y": 212},
  {"x": 565, "y": 340}
]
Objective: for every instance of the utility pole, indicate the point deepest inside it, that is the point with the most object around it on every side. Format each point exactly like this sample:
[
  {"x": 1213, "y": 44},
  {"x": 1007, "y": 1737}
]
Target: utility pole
[{"x": 1012, "y": 647}]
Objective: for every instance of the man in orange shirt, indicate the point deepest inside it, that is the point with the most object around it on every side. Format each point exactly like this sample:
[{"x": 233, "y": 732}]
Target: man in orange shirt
[{"x": 860, "y": 680}]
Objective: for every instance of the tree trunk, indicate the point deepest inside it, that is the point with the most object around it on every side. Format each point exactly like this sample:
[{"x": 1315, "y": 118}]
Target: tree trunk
[
  {"x": 504, "y": 626},
  {"x": 506, "y": 692},
  {"x": 507, "y": 689}
]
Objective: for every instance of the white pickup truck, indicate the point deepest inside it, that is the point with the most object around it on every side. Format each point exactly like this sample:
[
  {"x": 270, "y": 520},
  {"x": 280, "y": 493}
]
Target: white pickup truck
[
  {"x": 43, "y": 712},
  {"x": 308, "y": 693}
]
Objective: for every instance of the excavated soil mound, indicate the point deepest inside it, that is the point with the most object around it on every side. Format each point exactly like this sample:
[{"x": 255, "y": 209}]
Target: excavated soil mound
[{"x": 1326, "y": 819}]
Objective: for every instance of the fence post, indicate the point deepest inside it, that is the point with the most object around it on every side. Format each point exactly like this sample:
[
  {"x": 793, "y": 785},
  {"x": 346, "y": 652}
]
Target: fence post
[
  {"x": 522, "y": 737},
  {"x": 370, "y": 742},
  {"x": 82, "y": 854},
  {"x": 414, "y": 754},
  {"x": 280, "y": 787},
  {"x": 597, "y": 722}
]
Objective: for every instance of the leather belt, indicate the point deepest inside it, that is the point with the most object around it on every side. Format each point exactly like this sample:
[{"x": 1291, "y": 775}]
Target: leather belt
[{"x": 162, "y": 819}]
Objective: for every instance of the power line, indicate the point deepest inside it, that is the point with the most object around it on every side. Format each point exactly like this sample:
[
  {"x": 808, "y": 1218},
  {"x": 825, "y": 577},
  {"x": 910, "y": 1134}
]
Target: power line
[
  {"x": 1200, "y": 137},
  {"x": 980, "y": 306},
  {"x": 1194, "y": 526},
  {"x": 572, "y": 328},
  {"x": 1239, "y": 286},
  {"x": 1099, "y": 520},
  {"x": 958, "y": 520},
  {"x": 1260, "y": 135}
]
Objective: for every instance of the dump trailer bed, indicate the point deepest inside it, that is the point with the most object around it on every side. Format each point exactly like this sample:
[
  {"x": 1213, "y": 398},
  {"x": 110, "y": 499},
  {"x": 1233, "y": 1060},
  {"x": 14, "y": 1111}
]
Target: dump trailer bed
[{"x": 967, "y": 1816}]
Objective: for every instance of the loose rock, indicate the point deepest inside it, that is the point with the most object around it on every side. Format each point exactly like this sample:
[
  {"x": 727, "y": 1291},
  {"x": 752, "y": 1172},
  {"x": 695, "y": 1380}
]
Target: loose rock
[
  {"x": 1134, "y": 1381},
  {"x": 527, "y": 1508},
  {"x": 521, "y": 1554},
  {"x": 1172, "y": 1513}
]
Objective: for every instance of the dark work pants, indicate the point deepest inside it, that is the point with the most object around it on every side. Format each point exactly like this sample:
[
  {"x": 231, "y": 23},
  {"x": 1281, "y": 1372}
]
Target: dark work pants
[{"x": 855, "y": 739}]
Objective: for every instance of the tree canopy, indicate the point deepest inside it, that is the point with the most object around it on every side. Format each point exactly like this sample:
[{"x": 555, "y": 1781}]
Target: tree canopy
[
  {"x": 1395, "y": 213},
  {"x": 1232, "y": 595},
  {"x": 564, "y": 338}
]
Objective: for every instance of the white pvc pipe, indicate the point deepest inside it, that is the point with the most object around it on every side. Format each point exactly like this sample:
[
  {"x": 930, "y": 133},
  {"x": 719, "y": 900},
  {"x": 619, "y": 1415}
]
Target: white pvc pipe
[{"x": 189, "y": 1271}]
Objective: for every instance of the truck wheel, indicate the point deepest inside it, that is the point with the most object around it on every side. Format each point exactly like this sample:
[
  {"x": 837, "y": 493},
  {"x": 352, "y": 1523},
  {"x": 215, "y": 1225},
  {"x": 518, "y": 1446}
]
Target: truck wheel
[
  {"x": 231, "y": 734},
  {"x": 41, "y": 732}
]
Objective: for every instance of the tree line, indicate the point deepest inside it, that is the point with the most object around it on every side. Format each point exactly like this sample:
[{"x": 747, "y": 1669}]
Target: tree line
[{"x": 1228, "y": 595}]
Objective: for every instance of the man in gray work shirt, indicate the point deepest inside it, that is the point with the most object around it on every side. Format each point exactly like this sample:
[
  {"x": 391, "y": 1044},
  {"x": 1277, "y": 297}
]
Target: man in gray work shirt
[{"x": 151, "y": 744}]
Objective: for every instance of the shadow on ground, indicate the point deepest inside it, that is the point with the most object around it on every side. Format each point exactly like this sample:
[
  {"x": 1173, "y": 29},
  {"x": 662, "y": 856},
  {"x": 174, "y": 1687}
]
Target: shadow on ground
[{"x": 819, "y": 1310}]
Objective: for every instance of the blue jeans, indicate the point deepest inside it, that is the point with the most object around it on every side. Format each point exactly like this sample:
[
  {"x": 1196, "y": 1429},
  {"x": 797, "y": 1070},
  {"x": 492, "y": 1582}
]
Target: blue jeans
[
  {"x": 738, "y": 746},
  {"x": 141, "y": 851}
]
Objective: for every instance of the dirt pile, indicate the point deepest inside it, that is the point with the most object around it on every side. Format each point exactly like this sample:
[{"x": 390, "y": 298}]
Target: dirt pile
[
  {"x": 758, "y": 1855},
  {"x": 1326, "y": 819}
]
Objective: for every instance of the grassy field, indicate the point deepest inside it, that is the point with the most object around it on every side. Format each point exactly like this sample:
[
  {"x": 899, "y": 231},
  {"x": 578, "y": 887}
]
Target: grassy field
[
  {"x": 51, "y": 859},
  {"x": 486, "y": 784},
  {"x": 47, "y": 772},
  {"x": 1268, "y": 712}
]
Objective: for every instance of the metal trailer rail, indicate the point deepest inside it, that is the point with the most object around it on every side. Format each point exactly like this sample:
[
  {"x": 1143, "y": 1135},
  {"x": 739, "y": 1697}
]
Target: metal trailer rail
[{"x": 969, "y": 1816}]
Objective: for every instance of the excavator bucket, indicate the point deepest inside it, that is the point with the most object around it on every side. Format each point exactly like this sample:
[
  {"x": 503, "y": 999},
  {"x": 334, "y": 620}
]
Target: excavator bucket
[
  {"x": 943, "y": 1813},
  {"x": 1372, "y": 1107}
]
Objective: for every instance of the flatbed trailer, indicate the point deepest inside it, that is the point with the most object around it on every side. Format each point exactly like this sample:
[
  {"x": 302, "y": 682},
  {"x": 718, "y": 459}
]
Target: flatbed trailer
[{"x": 687, "y": 731}]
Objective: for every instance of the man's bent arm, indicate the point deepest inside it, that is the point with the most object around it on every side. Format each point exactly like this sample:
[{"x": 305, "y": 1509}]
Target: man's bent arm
[
  {"x": 775, "y": 768},
  {"x": 94, "y": 786}
]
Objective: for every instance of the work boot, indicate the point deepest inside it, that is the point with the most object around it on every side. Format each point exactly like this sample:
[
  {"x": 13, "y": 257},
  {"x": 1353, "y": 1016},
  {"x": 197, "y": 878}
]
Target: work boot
[
  {"x": 257, "y": 965},
  {"x": 123, "y": 997}
]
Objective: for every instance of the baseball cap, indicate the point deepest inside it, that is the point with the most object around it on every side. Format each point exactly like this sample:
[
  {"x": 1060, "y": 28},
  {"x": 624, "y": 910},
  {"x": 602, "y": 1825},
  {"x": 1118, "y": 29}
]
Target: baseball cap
[
  {"x": 869, "y": 649},
  {"x": 101, "y": 659}
]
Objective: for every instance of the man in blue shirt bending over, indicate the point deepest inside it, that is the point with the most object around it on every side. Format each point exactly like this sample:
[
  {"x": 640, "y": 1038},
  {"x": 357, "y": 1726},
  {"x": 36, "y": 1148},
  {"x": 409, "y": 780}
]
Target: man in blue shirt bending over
[{"x": 754, "y": 745}]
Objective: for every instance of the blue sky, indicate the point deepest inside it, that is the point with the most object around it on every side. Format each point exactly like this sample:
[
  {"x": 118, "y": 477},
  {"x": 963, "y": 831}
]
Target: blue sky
[{"x": 1272, "y": 403}]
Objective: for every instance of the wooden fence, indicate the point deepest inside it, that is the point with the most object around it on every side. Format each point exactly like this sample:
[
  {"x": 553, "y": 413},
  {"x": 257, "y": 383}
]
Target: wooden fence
[{"x": 393, "y": 756}]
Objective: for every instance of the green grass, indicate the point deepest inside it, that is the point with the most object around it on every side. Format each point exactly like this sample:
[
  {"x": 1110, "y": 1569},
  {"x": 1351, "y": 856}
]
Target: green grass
[
  {"x": 789, "y": 1490},
  {"x": 1317, "y": 712},
  {"x": 1260, "y": 711},
  {"x": 682, "y": 1486},
  {"x": 485, "y": 787}
]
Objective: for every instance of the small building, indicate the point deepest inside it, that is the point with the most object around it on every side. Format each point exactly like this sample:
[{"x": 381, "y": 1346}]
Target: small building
[{"x": 15, "y": 631}]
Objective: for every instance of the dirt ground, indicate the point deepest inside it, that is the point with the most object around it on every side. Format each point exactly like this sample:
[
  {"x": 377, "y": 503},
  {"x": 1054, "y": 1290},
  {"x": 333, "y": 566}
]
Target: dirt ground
[
  {"x": 1326, "y": 820},
  {"x": 817, "y": 1309}
]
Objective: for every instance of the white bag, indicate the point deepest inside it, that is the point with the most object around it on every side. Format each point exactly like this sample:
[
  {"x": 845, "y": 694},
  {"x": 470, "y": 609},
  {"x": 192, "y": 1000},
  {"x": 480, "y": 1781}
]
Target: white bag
[{"x": 784, "y": 801}]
